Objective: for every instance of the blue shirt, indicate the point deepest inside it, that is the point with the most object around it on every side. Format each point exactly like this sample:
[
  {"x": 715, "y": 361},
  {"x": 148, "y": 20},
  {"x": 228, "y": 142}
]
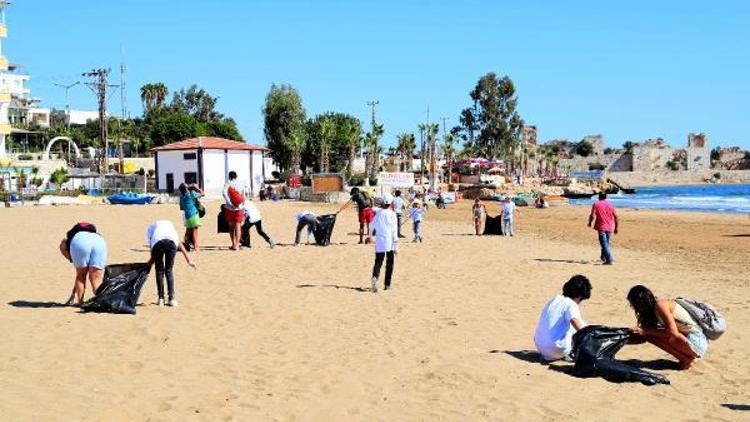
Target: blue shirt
[{"x": 187, "y": 203}]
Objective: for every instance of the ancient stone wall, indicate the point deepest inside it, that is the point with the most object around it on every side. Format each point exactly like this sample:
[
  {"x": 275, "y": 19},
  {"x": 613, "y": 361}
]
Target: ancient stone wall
[
  {"x": 698, "y": 153},
  {"x": 667, "y": 178}
]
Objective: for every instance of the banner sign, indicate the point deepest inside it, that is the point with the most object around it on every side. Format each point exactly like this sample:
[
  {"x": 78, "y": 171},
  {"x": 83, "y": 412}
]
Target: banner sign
[{"x": 395, "y": 179}]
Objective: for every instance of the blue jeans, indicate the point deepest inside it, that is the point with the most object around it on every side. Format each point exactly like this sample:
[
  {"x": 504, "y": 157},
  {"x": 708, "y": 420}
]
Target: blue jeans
[
  {"x": 508, "y": 227},
  {"x": 606, "y": 250}
]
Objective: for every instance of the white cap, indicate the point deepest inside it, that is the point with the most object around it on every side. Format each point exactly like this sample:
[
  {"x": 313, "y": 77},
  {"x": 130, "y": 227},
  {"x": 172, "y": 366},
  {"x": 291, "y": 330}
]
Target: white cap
[{"x": 387, "y": 199}]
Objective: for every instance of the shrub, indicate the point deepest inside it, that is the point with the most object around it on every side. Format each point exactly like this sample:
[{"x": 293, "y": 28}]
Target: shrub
[
  {"x": 357, "y": 179},
  {"x": 25, "y": 157},
  {"x": 59, "y": 176}
]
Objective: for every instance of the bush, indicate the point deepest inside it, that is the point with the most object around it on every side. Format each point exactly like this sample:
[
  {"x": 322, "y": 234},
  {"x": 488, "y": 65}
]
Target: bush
[
  {"x": 373, "y": 180},
  {"x": 584, "y": 148},
  {"x": 357, "y": 179},
  {"x": 717, "y": 175},
  {"x": 25, "y": 157},
  {"x": 59, "y": 176},
  {"x": 673, "y": 165},
  {"x": 306, "y": 180}
]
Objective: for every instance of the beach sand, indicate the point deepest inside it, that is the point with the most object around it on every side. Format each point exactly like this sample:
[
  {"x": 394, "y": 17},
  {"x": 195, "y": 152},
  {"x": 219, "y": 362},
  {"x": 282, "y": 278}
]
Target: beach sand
[{"x": 293, "y": 334}]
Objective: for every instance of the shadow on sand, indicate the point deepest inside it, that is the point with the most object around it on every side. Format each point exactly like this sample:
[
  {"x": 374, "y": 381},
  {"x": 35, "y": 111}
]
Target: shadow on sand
[
  {"x": 335, "y": 286},
  {"x": 534, "y": 357},
  {"x": 737, "y": 235},
  {"x": 34, "y": 305},
  {"x": 737, "y": 407},
  {"x": 563, "y": 261}
]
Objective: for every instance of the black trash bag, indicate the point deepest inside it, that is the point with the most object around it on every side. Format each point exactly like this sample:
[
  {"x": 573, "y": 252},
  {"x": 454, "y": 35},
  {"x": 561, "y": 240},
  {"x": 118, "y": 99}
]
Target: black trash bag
[
  {"x": 324, "y": 229},
  {"x": 493, "y": 225},
  {"x": 221, "y": 222},
  {"x": 120, "y": 289},
  {"x": 245, "y": 234},
  {"x": 594, "y": 349}
]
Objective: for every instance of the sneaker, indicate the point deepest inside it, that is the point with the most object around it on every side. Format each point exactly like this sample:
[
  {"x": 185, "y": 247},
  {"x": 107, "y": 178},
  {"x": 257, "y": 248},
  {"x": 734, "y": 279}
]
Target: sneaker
[
  {"x": 414, "y": 241},
  {"x": 173, "y": 303},
  {"x": 271, "y": 243},
  {"x": 388, "y": 287},
  {"x": 374, "y": 284},
  {"x": 160, "y": 302}
]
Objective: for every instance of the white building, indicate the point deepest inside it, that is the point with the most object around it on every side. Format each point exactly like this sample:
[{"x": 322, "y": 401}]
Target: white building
[
  {"x": 16, "y": 105},
  {"x": 207, "y": 161},
  {"x": 81, "y": 117}
]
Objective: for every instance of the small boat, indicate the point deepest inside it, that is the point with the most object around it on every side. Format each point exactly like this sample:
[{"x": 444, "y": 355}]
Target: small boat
[
  {"x": 571, "y": 195},
  {"x": 129, "y": 198}
]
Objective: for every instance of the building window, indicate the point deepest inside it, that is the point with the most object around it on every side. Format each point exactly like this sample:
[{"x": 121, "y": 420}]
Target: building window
[
  {"x": 191, "y": 177},
  {"x": 189, "y": 156}
]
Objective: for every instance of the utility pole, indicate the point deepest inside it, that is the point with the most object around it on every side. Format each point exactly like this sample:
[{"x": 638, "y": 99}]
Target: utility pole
[
  {"x": 100, "y": 86},
  {"x": 124, "y": 109}
]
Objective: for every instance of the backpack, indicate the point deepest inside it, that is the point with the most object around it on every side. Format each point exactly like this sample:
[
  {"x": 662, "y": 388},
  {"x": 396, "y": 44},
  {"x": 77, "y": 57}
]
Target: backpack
[{"x": 708, "y": 318}]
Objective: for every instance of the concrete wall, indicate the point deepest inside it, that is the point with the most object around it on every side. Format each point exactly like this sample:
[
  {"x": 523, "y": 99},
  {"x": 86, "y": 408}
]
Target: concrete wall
[
  {"x": 666, "y": 177},
  {"x": 174, "y": 162},
  {"x": 214, "y": 174}
]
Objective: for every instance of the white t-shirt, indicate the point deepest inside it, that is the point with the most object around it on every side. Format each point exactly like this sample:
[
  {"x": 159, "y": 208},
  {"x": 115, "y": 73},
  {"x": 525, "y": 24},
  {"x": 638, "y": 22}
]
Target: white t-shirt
[
  {"x": 251, "y": 212},
  {"x": 398, "y": 205},
  {"x": 416, "y": 214},
  {"x": 508, "y": 208},
  {"x": 161, "y": 230},
  {"x": 385, "y": 227},
  {"x": 554, "y": 332}
]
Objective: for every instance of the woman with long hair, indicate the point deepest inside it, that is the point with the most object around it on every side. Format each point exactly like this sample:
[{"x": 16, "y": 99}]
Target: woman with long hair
[{"x": 666, "y": 325}]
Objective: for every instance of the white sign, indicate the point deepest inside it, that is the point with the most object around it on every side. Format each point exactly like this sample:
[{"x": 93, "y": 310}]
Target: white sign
[{"x": 395, "y": 179}]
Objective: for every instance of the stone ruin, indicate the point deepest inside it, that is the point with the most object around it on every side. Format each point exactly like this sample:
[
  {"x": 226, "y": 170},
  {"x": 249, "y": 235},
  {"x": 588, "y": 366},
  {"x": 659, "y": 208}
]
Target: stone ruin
[
  {"x": 698, "y": 153},
  {"x": 529, "y": 136}
]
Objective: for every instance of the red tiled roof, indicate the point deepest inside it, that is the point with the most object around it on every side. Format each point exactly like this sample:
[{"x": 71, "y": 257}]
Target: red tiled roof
[{"x": 207, "y": 142}]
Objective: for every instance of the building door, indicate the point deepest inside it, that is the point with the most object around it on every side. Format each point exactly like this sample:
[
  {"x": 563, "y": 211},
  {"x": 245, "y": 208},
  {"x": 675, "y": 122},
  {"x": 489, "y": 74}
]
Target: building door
[{"x": 170, "y": 183}]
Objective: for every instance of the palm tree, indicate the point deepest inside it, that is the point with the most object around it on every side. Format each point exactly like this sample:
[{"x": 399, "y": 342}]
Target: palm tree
[
  {"x": 327, "y": 129},
  {"x": 449, "y": 151},
  {"x": 406, "y": 145},
  {"x": 351, "y": 132},
  {"x": 296, "y": 143},
  {"x": 430, "y": 133},
  {"x": 371, "y": 141},
  {"x": 153, "y": 96}
]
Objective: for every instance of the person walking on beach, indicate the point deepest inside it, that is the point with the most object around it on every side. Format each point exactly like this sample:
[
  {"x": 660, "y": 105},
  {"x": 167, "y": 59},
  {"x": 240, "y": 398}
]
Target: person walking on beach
[
  {"x": 189, "y": 204},
  {"x": 667, "y": 325},
  {"x": 560, "y": 319},
  {"x": 233, "y": 212},
  {"x": 364, "y": 210},
  {"x": 509, "y": 207},
  {"x": 163, "y": 241},
  {"x": 604, "y": 219},
  {"x": 398, "y": 206},
  {"x": 253, "y": 218},
  {"x": 416, "y": 213},
  {"x": 305, "y": 219},
  {"x": 87, "y": 251},
  {"x": 479, "y": 212},
  {"x": 384, "y": 233}
]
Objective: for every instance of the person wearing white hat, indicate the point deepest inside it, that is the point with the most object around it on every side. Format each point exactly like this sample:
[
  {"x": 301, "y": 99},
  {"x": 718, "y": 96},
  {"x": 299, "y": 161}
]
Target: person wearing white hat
[{"x": 384, "y": 234}]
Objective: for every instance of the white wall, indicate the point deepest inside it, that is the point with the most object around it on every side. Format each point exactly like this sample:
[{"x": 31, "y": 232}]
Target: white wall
[
  {"x": 173, "y": 162},
  {"x": 214, "y": 174},
  {"x": 239, "y": 162},
  {"x": 258, "y": 177}
]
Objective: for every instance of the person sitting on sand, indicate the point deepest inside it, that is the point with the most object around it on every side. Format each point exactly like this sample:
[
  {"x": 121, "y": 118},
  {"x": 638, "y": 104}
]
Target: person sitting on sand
[
  {"x": 164, "y": 243},
  {"x": 541, "y": 202},
  {"x": 305, "y": 219},
  {"x": 667, "y": 325},
  {"x": 560, "y": 319},
  {"x": 87, "y": 250},
  {"x": 479, "y": 211}
]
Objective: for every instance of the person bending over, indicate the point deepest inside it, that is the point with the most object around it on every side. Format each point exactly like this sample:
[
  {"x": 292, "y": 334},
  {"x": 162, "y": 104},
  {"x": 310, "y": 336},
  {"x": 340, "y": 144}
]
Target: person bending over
[
  {"x": 560, "y": 319},
  {"x": 364, "y": 210},
  {"x": 305, "y": 219},
  {"x": 87, "y": 250},
  {"x": 666, "y": 325},
  {"x": 164, "y": 243}
]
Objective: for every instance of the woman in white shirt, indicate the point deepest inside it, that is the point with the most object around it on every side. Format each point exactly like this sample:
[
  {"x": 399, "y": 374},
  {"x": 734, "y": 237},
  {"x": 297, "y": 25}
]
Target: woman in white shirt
[
  {"x": 164, "y": 242},
  {"x": 253, "y": 218},
  {"x": 560, "y": 319},
  {"x": 384, "y": 229}
]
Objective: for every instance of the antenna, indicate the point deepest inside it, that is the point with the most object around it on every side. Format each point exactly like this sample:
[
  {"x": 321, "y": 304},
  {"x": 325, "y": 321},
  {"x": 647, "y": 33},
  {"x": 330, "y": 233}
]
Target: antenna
[{"x": 123, "y": 91}]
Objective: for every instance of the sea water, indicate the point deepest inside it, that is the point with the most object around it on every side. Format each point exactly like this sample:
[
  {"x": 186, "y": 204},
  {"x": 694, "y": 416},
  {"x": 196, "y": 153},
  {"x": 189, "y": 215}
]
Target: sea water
[{"x": 705, "y": 198}]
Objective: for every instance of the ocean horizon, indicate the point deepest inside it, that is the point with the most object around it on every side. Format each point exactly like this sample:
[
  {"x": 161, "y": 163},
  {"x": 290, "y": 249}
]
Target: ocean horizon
[{"x": 717, "y": 198}]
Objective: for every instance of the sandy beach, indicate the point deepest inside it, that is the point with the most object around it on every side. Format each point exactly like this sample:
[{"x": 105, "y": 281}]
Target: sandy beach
[{"x": 294, "y": 334}]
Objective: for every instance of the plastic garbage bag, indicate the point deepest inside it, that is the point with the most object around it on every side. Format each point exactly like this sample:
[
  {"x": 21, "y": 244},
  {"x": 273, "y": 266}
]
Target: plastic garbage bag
[
  {"x": 324, "y": 229},
  {"x": 120, "y": 289},
  {"x": 594, "y": 349},
  {"x": 493, "y": 225},
  {"x": 221, "y": 222}
]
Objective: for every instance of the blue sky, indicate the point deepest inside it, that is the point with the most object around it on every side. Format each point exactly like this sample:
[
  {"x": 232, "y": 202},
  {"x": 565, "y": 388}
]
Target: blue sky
[{"x": 629, "y": 70}]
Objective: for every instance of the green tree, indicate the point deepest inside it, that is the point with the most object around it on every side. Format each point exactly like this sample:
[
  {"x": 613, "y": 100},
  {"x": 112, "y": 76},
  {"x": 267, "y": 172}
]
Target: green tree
[
  {"x": 153, "y": 97},
  {"x": 172, "y": 127},
  {"x": 405, "y": 148},
  {"x": 225, "y": 128},
  {"x": 372, "y": 139},
  {"x": 196, "y": 102},
  {"x": 59, "y": 177},
  {"x": 284, "y": 115},
  {"x": 295, "y": 143},
  {"x": 584, "y": 148},
  {"x": 491, "y": 126},
  {"x": 350, "y": 132}
]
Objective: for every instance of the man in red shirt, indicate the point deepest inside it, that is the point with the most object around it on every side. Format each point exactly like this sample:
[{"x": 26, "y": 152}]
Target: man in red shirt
[{"x": 604, "y": 219}]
